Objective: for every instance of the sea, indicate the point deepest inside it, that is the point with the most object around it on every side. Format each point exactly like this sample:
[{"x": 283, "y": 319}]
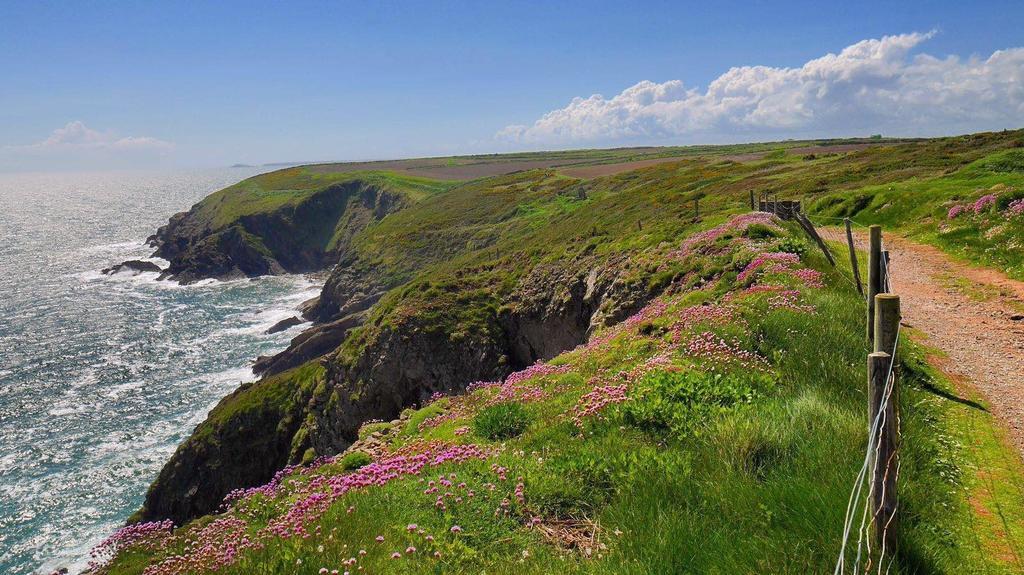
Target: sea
[{"x": 101, "y": 377}]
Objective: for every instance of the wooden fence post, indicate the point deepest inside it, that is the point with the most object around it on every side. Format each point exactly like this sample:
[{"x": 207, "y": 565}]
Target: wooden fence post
[
  {"x": 882, "y": 408},
  {"x": 752, "y": 208},
  {"x": 887, "y": 322},
  {"x": 874, "y": 275},
  {"x": 853, "y": 256}
]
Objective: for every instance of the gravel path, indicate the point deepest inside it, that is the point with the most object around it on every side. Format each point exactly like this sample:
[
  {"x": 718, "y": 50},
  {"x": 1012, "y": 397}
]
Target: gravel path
[{"x": 976, "y": 316}]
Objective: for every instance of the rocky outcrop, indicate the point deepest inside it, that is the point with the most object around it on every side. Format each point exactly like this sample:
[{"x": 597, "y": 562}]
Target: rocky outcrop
[
  {"x": 134, "y": 266},
  {"x": 308, "y": 235},
  {"x": 284, "y": 324},
  {"x": 310, "y": 344}
]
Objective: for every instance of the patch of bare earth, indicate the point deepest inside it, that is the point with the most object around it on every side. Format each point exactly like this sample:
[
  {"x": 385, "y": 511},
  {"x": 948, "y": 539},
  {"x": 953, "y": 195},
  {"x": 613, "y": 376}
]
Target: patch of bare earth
[{"x": 983, "y": 337}]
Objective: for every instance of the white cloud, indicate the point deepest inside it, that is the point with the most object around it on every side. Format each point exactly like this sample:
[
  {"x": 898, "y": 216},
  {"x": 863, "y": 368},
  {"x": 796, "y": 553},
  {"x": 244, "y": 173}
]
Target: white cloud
[
  {"x": 871, "y": 86},
  {"x": 76, "y": 146},
  {"x": 77, "y": 134}
]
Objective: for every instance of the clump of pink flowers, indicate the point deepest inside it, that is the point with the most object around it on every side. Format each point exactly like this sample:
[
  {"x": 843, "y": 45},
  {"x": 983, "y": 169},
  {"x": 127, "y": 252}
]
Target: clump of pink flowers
[
  {"x": 709, "y": 346},
  {"x": 955, "y": 211},
  {"x": 984, "y": 202},
  {"x": 650, "y": 311},
  {"x": 811, "y": 278},
  {"x": 789, "y": 299},
  {"x": 593, "y": 402},
  {"x": 736, "y": 225},
  {"x": 219, "y": 543},
  {"x": 771, "y": 261},
  {"x": 153, "y": 535},
  {"x": 1015, "y": 208}
]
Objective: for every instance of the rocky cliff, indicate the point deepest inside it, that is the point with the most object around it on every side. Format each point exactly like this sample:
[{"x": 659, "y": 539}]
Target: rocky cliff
[
  {"x": 299, "y": 236},
  {"x": 475, "y": 283},
  {"x": 398, "y": 365}
]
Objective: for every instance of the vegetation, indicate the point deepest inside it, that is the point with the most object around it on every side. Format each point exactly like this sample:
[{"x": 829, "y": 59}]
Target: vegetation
[
  {"x": 501, "y": 421},
  {"x": 717, "y": 430}
]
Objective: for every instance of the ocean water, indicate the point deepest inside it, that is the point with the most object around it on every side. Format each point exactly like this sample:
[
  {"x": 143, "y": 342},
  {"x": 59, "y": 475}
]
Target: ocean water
[{"x": 101, "y": 377}]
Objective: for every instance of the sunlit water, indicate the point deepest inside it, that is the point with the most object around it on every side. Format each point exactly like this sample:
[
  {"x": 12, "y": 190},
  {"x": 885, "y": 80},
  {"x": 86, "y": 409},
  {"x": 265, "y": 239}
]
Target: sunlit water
[{"x": 101, "y": 377}]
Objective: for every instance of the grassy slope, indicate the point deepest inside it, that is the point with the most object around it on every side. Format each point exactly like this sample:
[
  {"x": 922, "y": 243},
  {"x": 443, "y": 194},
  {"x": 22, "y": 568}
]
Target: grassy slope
[
  {"x": 949, "y": 172},
  {"x": 463, "y": 250},
  {"x": 271, "y": 191},
  {"x": 660, "y": 483}
]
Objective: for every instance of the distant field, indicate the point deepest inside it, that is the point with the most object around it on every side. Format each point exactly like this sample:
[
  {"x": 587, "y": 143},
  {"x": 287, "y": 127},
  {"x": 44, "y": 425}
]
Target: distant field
[{"x": 586, "y": 163}]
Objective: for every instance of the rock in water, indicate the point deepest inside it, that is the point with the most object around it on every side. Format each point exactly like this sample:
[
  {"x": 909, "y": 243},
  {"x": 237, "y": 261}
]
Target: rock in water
[
  {"x": 284, "y": 324},
  {"x": 134, "y": 266}
]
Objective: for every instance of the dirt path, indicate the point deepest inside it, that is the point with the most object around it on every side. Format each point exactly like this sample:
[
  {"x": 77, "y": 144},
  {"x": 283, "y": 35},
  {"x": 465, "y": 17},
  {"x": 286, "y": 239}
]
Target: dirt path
[{"x": 976, "y": 316}]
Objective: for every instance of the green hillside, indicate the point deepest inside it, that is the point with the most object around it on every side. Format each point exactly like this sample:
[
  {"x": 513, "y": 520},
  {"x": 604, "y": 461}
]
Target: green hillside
[{"x": 666, "y": 393}]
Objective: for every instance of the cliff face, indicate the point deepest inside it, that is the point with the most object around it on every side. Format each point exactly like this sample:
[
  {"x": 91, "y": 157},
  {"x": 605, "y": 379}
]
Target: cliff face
[
  {"x": 282, "y": 419},
  {"x": 246, "y": 438},
  {"x": 306, "y": 234},
  {"x": 552, "y": 309}
]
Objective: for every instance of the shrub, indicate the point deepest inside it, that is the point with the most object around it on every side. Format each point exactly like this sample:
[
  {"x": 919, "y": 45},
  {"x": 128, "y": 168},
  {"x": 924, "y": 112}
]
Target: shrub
[
  {"x": 501, "y": 421},
  {"x": 355, "y": 460},
  {"x": 791, "y": 245},
  {"x": 682, "y": 402},
  {"x": 759, "y": 232}
]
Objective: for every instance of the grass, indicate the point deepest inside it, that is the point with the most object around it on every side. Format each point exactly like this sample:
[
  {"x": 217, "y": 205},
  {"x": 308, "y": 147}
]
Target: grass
[
  {"x": 645, "y": 452},
  {"x": 700, "y": 467}
]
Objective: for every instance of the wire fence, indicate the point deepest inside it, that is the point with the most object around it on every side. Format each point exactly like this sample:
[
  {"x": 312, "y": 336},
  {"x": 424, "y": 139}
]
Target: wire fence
[
  {"x": 868, "y": 542},
  {"x": 869, "y": 505}
]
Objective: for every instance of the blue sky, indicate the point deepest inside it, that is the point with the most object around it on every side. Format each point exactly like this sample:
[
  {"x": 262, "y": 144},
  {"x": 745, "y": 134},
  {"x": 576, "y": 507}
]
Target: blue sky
[{"x": 205, "y": 84}]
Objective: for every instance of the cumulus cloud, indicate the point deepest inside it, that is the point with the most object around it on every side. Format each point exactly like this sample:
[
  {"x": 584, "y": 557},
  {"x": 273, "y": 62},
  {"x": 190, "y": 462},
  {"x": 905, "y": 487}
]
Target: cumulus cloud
[
  {"x": 77, "y": 134},
  {"x": 872, "y": 86},
  {"x": 77, "y": 146}
]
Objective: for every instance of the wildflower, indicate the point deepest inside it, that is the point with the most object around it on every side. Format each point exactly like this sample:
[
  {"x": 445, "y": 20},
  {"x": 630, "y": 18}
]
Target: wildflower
[
  {"x": 396, "y": 555},
  {"x": 984, "y": 202},
  {"x": 1015, "y": 208},
  {"x": 456, "y": 529},
  {"x": 323, "y": 571},
  {"x": 380, "y": 539},
  {"x": 411, "y": 527},
  {"x": 410, "y": 550}
]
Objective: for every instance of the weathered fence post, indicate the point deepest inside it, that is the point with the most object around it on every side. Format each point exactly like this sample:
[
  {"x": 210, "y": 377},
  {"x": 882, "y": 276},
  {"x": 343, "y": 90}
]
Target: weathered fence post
[
  {"x": 874, "y": 275},
  {"x": 882, "y": 409},
  {"x": 853, "y": 256},
  {"x": 887, "y": 322},
  {"x": 752, "y": 208}
]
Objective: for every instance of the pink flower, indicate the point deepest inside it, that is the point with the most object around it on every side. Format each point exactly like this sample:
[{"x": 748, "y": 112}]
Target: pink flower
[
  {"x": 955, "y": 211},
  {"x": 1015, "y": 208},
  {"x": 411, "y": 527},
  {"x": 410, "y": 550},
  {"x": 984, "y": 202},
  {"x": 396, "y": 555},
  {"x": 380, "y": 539},
  {"x": 456, "y": 529}
]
